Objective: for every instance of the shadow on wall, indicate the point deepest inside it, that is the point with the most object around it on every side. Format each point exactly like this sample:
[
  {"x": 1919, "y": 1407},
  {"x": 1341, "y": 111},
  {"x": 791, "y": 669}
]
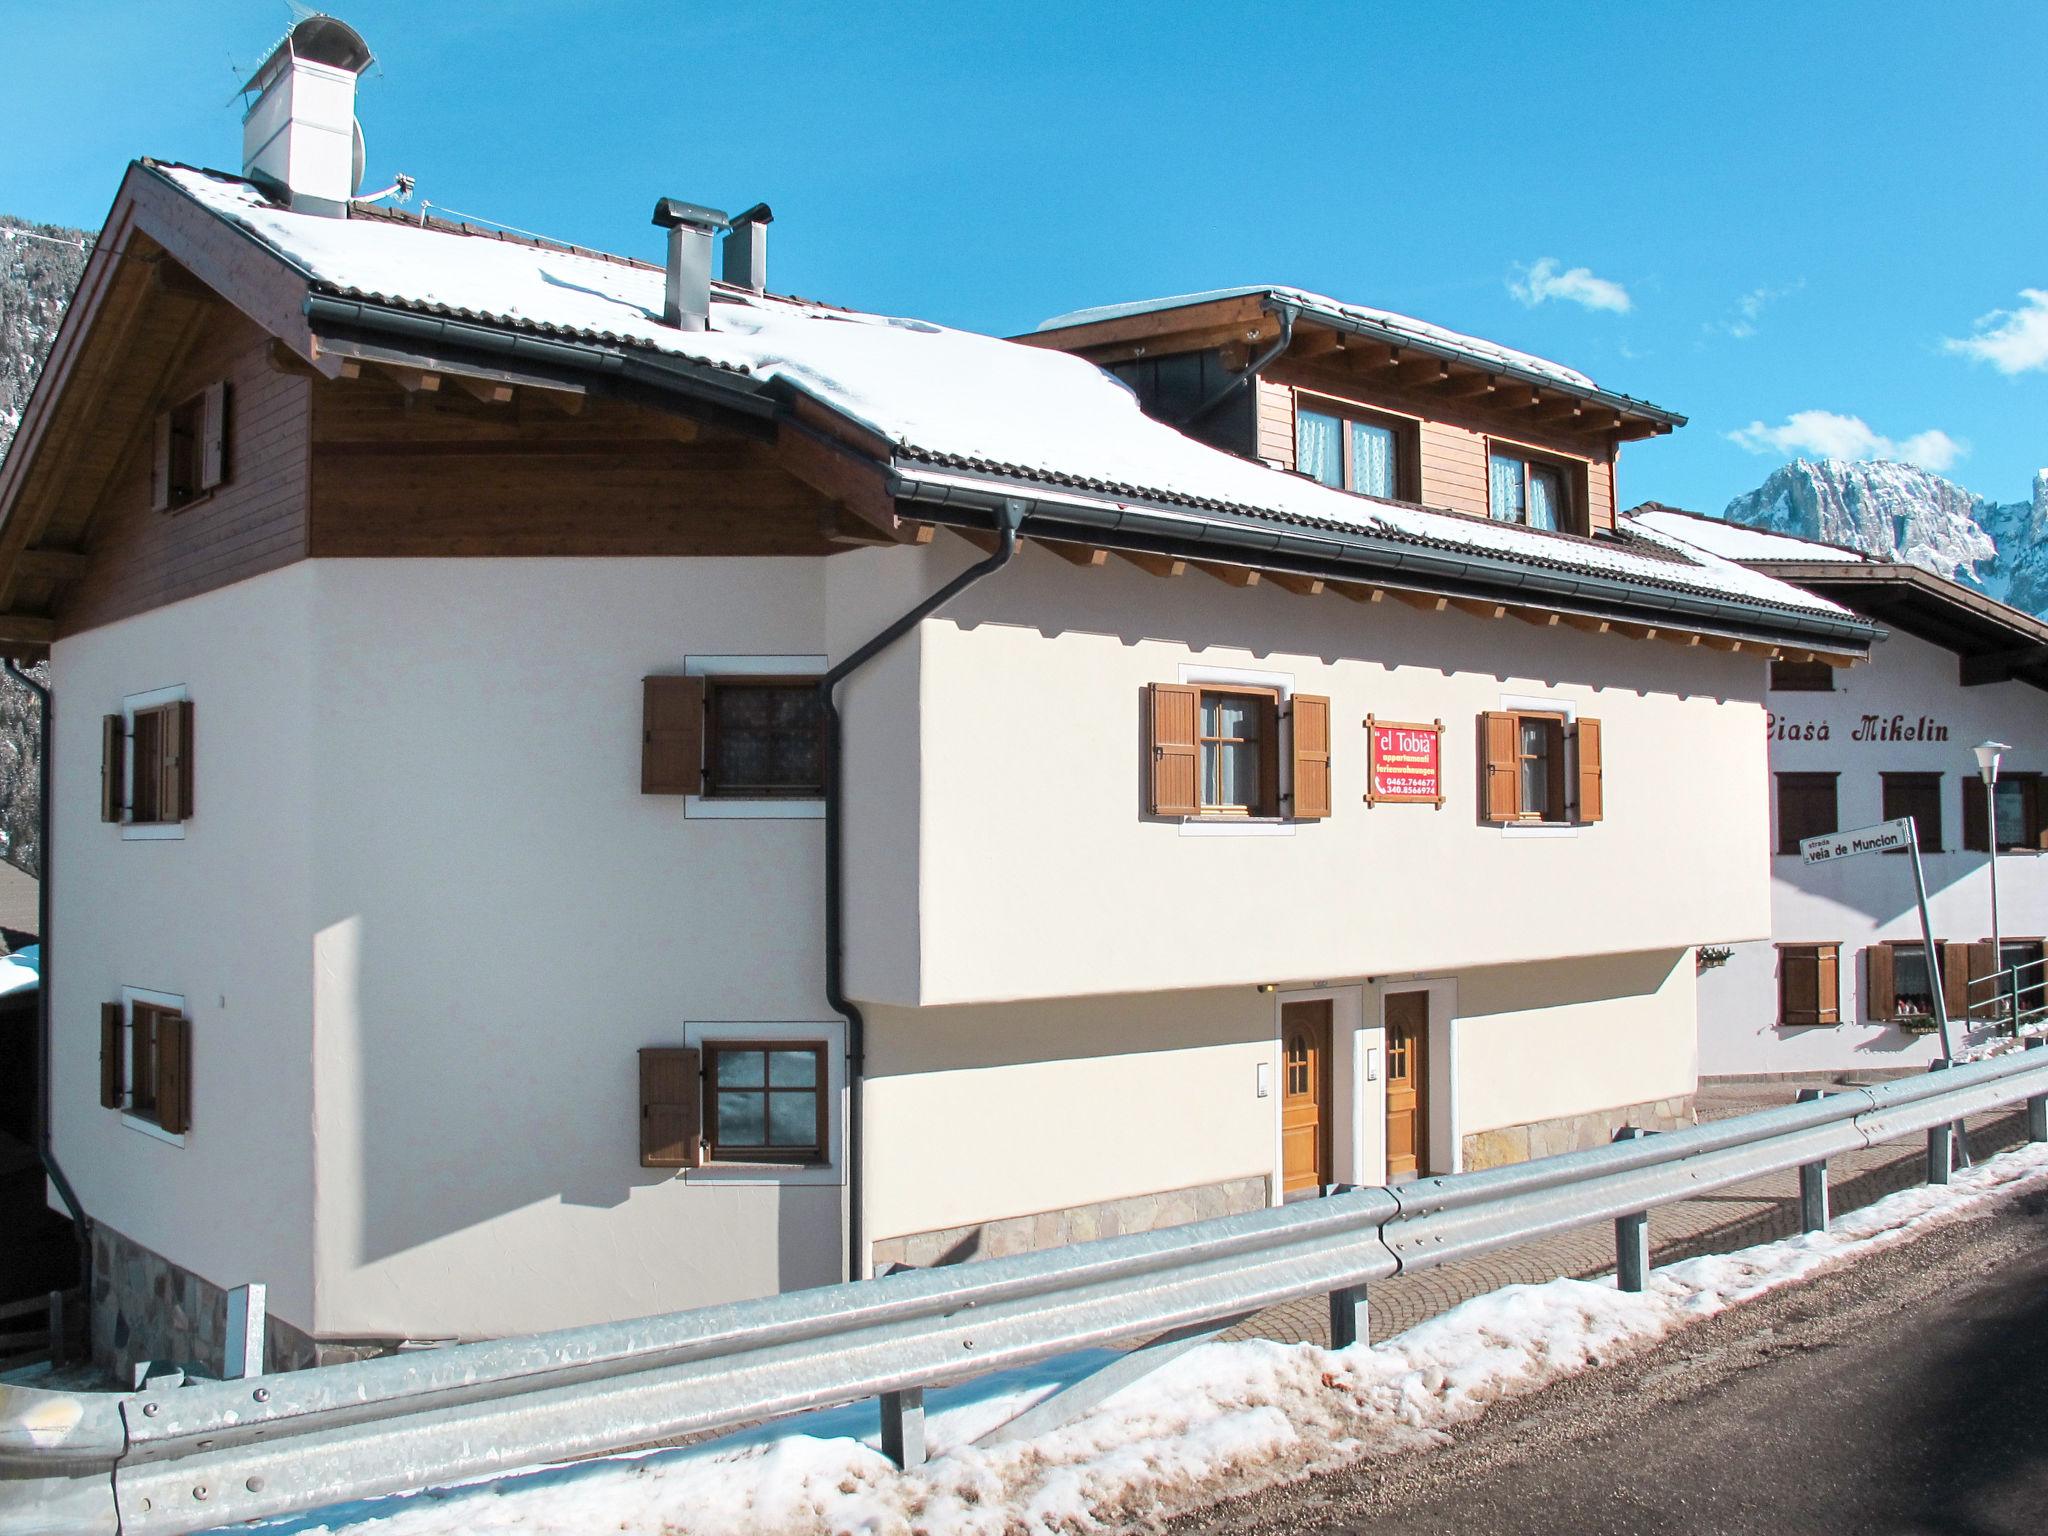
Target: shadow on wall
[
  {"x": 1042, "y": 592},
  {"x": 1566, "y": 983}
]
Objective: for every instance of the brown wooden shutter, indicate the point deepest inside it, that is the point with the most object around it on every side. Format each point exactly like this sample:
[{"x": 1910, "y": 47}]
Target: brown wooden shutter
[
  {"x": 1499, "y": 797},
  {"x": 1799, "y": 987},
  {"x": 672, "y": 736},
  {"x": 174, "y": 763},
  {"x": 112, "y": 1055},
  {"x": 1173, "y": 712},
  {"x": 671, "y": 1108},
  {"x": 2035, "y": 820},
  {"x": 1828, "y": 970},
  {"x": 1880, "y": 992},
  {"x": 160, "y": 465},
  {"x": 113, "y": 766},
  {"x": 1592, "y": 797},
  {"x": 173, "y": 1072},
  {"x": 1976, "y": 819},
  {"x": 213, "y": 436},
  {"x": 1955, "y": 979},
  {"x": 1980, "y": 967},
  {"x": 1311, "y": 756}
]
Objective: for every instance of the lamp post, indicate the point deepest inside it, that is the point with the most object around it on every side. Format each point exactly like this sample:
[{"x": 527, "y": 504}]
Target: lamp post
[{"x": 1988, "y": 753}]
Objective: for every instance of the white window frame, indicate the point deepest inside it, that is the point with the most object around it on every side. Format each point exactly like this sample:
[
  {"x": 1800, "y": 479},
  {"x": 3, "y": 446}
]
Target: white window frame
[
  {"x": 130, "y": 996},
  {"x": 1281, "y": 683},
  {"x": 724, "y": 807},
  {"x": 1539, "y": 704},
  {"x": 831, "y": 1034},
  {"x": 133, "y": 831}
]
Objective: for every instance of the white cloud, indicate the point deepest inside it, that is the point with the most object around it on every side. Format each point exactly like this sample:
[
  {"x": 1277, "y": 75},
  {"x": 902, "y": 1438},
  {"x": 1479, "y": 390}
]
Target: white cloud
[
  {"x": 1827, "y": 435},
  {"x": 1544, "y": 281},
  {"x": 2011, "y": 340},
  {"x": 1742, "y": 324}
]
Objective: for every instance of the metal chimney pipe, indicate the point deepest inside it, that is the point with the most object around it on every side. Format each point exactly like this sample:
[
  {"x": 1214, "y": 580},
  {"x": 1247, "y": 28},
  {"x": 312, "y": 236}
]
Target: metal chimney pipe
[
  {"x": 686, "y": 299},
  {"x": 746, "y": 249}
]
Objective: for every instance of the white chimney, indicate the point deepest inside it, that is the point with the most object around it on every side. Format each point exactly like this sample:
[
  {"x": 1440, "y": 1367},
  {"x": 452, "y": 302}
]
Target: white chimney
[{"x": 300, "y": 140}]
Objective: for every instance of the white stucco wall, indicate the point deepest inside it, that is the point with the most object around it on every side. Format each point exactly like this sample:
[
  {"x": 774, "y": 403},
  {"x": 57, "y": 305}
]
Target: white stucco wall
[
  {"x": 217, "y": 917},
  {"x": 1863, "y": 900},
  {"x": 1033, "y": 826}
]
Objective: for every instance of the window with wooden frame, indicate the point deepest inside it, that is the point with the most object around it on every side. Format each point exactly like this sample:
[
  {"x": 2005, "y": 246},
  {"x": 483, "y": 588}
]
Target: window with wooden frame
[
  {"x": 1898, "y": 983},
  {"x": 765, "y": 1102},
  {"x": 1351, "y": 449},
  {"x": 1539, "y": 766},
  {"x": 1809, "y": 984},
  {"x": 1917, "y": 795},
  {"x": 146, "y": 1063},
  {"x": 190, "y": 457},
  {"x": 146, "y": 765},
  {"x": 1806, "y": 808},
  {"x": 738, "y": 737},
  {"x": 1802, "y": 677},
  {"x": 2020, "y": 811},
  {"x": 1216, "y": 750},
  {"x": 1535, "y": 491}
]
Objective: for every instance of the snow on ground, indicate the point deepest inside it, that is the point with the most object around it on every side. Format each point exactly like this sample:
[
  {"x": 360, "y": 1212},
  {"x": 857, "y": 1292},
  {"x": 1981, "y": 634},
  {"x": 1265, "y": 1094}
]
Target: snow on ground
[{"x": 1221, "y": 1420}]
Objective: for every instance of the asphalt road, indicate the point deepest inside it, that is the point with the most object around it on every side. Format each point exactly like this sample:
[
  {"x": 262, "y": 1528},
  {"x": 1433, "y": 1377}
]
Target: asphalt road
[{"x": 1907, "y": 1392}]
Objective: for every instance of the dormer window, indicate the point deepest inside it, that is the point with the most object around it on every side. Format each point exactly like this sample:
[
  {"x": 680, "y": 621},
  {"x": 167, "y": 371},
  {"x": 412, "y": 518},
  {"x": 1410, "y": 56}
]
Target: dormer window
[
  {"x": 191, "y": 450},
  {"x": 1359, "y": 451},
  {"x": 1523, "y": 490}
]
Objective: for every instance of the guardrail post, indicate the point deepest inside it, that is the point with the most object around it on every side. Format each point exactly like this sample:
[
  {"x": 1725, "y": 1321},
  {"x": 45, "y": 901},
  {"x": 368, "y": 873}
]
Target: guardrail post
[
  {"x": 1941, "y": 1141},
  {"x": 1631, "y": 1236},
  {"x": 244, "y": 1351},
  {"x": 1350, "y": 1320},
  {"x": 903, "y": 1427},
  {"x": 1813, "y": 1181},
  {"x": 2037, "y": 1103}
]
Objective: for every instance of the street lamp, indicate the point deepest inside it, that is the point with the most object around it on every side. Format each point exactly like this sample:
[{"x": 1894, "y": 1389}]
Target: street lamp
[{"x": 1988, "y": 753}]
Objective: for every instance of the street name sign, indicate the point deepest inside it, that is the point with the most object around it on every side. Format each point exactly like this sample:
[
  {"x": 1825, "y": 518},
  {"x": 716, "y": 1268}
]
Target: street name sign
[{"x": 1885, "y": 837}]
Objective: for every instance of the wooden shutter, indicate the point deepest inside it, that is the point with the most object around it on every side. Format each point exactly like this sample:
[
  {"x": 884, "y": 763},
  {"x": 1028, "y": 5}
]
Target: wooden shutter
[
  {"x": 671, "y": 1105},
  {"x": 672, "y": 736},
  {"x": 1955, "y": 979},
  {"x": 1499, "y": 797},
  {"x": 1980, "y": 966},
  {"x": 1311, "y": 756},
  {"x": 2036, "y": 825},
  {"x": 1880, "y": 992},
  {"x": 113, "y": 766},
  {"x": 1592, "y": 798},
  {"x": 173, "y": 1071},
  {"x": 1173, "y": 713},
  {"x": 174, "y": 762},
  {"x": 213, "y": 436},
  {"x": 111, "y": 1056},
  {"x": 1828, "y": 972},
  {"x": 1799, "y": 984},
  {"x": 1976, "y": 819},
  {"x": 160, "y": 465}
]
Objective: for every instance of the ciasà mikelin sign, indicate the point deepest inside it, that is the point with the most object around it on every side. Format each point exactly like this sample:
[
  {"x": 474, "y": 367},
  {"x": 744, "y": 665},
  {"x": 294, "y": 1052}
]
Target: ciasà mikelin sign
[{"x": 1869, "y": 728}]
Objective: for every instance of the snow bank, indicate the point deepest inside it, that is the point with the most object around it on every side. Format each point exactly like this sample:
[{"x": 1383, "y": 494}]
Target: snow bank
[
  {"x": 937, "y": 394},
  {"x": 1221, "y": 1420}
]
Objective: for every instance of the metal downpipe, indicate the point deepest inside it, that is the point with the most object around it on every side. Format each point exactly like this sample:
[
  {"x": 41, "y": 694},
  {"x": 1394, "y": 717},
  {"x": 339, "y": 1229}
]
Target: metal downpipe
[
  {"x": 1009, "y": 518},
  {"x": 45, "y": 1134}
]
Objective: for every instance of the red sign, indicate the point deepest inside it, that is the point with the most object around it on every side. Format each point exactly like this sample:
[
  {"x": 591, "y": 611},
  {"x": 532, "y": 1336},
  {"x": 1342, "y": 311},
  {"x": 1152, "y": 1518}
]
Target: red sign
[{"x": 1406, "y": 762}]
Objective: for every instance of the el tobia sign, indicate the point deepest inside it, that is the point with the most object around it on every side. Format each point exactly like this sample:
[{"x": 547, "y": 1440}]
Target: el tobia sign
[{"x": 1404, "y": 762}]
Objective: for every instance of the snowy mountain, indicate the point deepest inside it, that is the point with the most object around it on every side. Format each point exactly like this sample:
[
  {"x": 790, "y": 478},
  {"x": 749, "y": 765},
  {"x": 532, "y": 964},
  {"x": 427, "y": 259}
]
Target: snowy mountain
[{"x": 2000, "y": 548}]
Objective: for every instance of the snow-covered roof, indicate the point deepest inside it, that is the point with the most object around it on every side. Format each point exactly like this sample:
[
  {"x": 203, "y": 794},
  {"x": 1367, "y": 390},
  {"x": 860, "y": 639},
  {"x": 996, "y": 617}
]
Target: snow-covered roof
[
  {"x": 1731, "y": 541},
  {"x": 21, "y": 971},
  {"x": 1398, "y": 327},
  {"x": 937, "y": 395}
]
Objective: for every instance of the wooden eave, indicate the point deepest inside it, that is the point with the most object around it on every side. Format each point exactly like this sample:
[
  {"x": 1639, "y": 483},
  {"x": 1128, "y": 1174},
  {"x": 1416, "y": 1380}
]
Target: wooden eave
[{"x": 1240, "y": 326}]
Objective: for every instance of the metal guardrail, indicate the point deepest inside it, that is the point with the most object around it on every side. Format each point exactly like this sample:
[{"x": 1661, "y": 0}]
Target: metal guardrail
[{"x": 212, "y": 1453}]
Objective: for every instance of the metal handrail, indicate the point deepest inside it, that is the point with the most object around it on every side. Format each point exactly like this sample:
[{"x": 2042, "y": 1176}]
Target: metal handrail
[
  {"x": 214, "y": 1453},
  {"x": 2007, "y": 998}
]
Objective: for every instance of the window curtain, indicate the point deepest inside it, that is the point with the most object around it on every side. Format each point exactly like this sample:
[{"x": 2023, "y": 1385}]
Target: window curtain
[
  {"x": 1372, "y": 459},
  {"x": 1504, "y": 488},
  {"x": 1318, "y": 452},
  {"x": 1546, "y": 499}
]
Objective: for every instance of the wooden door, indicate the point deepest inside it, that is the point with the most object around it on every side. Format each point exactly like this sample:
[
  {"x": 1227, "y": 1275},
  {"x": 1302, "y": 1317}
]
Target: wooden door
[
  {"x": 1407, "y": 1085},
  {"x": 1305, "y": 1115}
]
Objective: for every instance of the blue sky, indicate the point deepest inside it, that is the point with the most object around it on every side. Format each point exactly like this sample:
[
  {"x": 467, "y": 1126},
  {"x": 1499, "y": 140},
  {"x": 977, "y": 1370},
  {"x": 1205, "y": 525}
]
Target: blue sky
[{"x": 1823, "y": 220}]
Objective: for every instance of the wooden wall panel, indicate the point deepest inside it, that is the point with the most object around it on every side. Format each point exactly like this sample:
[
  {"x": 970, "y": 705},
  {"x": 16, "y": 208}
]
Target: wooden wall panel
[
  {"x": 1454, "y": 468},
  {"x": 139, "y": 559},
  {"x": 1600, "y": 495},
  {"x": 1276, "y": 424}
]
